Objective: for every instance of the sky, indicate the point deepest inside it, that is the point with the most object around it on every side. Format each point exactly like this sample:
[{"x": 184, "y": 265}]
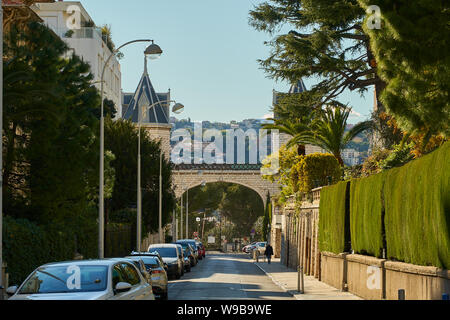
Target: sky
[{"x": 210, "y": 56}]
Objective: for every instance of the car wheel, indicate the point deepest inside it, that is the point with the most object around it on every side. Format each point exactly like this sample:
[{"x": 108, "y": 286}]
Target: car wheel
[{"x": 165, "y": 296}]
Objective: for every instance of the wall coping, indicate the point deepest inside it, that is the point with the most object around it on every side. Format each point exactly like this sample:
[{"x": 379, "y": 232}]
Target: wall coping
[
  {"x": 334, "y": 255},
  {"x": 416, "y": 269},
  {"x": 367, "y": 260}
]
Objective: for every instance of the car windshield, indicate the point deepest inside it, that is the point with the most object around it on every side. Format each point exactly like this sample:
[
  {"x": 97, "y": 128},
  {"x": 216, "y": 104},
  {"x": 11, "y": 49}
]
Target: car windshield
[
  {"x": 166, "y": 252},
  {"x": 66, "y": 279},
  {"x": 149, "y": 262},
  {"x": 185, "y": 243}
]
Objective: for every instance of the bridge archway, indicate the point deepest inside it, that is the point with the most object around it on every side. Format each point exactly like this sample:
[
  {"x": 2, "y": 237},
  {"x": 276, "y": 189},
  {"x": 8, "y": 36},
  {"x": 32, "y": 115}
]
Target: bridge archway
[{"x": 187, "y": 177}]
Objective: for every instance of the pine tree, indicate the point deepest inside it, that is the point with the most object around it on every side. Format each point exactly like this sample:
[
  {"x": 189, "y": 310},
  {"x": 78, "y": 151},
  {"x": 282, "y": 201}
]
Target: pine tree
[
  {"x": 411, "y": 49},
  {"x": 326, "y": 42},
  {"x": 51, "y": 146}
]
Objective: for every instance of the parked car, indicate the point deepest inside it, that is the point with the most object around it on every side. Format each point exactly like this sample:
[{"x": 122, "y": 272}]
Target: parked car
[
  {"x": 107, "y": 279},
  {"x": 186, "y": 260},
  {"x": 172, "y": 256},
  {"x": 189, "y": 252},
  {"x": 248, "y": 248},
  {"x": 260, "y": 246},
  {"x": 158, "y": 274},
  {"x": 201, "y": 249},
  {"x": 194, "y": 246},
  {"x": 139, "y": 264},
  {"x": 192, "y": 260}
]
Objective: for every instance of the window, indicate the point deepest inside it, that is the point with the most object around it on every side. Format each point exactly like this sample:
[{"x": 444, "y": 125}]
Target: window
[
  {"x": 131, "y": 274},
  {"x": 62, "y": 279},
  {"x": 118, "y": 276}
]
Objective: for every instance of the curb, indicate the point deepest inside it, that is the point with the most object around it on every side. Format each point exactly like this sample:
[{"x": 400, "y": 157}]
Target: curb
[{"x": 290, "y": 292}]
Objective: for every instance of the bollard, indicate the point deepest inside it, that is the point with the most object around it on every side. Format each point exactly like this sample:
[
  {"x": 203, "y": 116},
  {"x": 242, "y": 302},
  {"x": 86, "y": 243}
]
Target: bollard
[
  {"x": 445, "y": 296},
  {"x": 300, "y": 283},
  {"x": 401, "y": 294}
]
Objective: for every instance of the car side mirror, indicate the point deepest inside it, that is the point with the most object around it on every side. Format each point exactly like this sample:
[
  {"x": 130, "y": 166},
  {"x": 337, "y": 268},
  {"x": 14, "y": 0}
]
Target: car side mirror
[
  {"x": 122, "y": 287},
  {"x": 11, "y": 290}
]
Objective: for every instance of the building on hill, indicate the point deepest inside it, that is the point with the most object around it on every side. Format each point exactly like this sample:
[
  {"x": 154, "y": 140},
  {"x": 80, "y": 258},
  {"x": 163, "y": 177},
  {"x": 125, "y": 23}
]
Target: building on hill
[
  {"x": 155, "y": 120},
  {"x": 86, "y": 40}
]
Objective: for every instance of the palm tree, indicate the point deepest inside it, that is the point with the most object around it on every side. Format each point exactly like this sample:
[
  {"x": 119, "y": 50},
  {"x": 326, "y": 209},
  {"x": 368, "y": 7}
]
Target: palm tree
[
  {"x": 292, "y": 128},
  {"x": 328, "y": 131}
]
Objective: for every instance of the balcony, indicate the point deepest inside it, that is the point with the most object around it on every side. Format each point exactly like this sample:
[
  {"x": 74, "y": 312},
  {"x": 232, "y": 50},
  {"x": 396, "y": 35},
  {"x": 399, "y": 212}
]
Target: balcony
[{"x": 82, "y": 33}]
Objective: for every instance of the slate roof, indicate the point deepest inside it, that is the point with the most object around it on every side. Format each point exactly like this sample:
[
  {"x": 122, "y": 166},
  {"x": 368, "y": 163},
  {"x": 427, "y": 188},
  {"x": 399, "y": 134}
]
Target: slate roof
[
  {"x": 298, "y": 87},
  {"x": 146, "y": 95}
]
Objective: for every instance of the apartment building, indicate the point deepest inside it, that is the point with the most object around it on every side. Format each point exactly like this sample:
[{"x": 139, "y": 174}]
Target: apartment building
[{"x": 70, "y": 21}]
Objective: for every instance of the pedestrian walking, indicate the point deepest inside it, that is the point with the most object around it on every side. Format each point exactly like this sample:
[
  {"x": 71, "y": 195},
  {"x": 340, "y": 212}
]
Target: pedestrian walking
[{"x": 269, "y": 252}]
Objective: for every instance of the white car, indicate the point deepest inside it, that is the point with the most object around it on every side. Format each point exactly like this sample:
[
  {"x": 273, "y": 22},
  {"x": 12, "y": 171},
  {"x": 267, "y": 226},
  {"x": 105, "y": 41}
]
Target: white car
[
  {"x": 105, "y": 279},
  {"x": 260, "y": 246}
]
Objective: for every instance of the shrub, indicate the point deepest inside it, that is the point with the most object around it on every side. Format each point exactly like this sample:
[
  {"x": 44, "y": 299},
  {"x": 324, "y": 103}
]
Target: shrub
[
  {"x": 27, "y": 245},
  {"x": 372, "y": 164},
  {"x": 334, "y": 221},
  {"x": 367, "y": 214},
  {"x": 400, "y": 155},
  {"x": 417, "y": 200},
  {"x": 315, "y": 170}
]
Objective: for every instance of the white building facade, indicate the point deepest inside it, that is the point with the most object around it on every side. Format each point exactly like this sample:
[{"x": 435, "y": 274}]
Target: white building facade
[{"x": 70, "y": 21}]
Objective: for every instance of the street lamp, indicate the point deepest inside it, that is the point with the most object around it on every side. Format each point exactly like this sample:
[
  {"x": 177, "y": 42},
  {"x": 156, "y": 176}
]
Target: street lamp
[
  {"x": 1, "y": 153},
  {"x": 176, "y": 108},
  {"x": 153, "y": 52}
]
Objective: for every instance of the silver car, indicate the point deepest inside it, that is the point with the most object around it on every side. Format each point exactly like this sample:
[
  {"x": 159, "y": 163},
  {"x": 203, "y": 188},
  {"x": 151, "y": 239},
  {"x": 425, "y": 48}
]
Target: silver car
[
  {"x": 158, "y": 274},
  {"x": 105, "y": 279}
]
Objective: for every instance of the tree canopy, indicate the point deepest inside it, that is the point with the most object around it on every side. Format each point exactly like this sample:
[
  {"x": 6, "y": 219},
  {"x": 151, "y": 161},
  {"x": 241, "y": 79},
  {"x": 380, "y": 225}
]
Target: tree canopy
[{"x": 411, "y": 49}]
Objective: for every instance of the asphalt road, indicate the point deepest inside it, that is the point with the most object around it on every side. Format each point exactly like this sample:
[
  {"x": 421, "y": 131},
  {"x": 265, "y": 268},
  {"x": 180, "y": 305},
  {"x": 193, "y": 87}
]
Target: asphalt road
[{"x": 225, "y": 276}]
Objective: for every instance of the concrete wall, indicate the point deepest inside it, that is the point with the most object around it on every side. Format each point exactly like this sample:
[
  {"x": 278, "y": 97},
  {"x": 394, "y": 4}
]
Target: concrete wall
[
  {"x": 419, "y": 282},
  {"x": 379, "y": 279},
  {"x": 333, "y": 269},
  {"x": 365, "y": 276},
  {"x": 299, "y": 235}
]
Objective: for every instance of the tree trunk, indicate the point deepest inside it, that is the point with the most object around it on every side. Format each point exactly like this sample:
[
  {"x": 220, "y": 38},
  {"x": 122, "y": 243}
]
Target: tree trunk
[{"x": 301, "y": 150}]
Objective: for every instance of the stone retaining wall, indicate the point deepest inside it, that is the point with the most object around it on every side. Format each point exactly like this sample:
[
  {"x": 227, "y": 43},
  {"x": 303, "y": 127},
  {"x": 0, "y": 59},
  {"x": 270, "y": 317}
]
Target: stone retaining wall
[{"x": 377, "y": 279}]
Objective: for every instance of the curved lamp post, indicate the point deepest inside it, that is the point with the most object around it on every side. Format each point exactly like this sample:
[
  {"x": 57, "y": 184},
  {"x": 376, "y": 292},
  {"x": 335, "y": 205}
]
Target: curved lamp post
[
  {"x": 177, "y": 108},
  {"x": 153, "y": 51}
]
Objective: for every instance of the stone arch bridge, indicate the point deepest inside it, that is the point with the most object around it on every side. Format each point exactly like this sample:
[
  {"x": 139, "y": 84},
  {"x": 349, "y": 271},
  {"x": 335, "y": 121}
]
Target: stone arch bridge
[{"x": 188, "y": 176}]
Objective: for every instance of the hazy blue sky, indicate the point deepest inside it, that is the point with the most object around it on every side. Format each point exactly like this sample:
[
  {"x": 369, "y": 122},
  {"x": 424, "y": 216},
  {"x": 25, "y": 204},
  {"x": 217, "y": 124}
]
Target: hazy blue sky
[{"x": 210, "y": 55}]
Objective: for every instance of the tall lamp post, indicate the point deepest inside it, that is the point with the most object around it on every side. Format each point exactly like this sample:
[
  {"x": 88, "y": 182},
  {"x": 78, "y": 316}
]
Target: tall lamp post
[
  {"x": 1, "y": 148},
  {"x": 177, "y": 108},
  {"x": 154, "y": 51}
]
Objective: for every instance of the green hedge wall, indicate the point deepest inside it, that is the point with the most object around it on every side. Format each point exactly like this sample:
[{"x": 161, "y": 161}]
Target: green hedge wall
[
  {"x": 26, "y": 245},
  {"x": 366, "y": 215},
  {"x": 417, "y": 200},
  {"x": 334, "y": 220}
]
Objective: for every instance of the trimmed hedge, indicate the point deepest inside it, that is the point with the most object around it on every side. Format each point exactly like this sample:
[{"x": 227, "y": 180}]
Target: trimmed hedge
[
  {"x": 417, "y": 200},
  {"x": 334, "y": 220},
  {"x": 367, "y": 214},
  {"x": 26, "y": 245},
  {"x": 313, "y": 171}
]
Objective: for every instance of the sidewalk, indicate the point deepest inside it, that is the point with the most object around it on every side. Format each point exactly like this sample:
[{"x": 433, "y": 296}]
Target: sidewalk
[{"x": 314, "y": 289}]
